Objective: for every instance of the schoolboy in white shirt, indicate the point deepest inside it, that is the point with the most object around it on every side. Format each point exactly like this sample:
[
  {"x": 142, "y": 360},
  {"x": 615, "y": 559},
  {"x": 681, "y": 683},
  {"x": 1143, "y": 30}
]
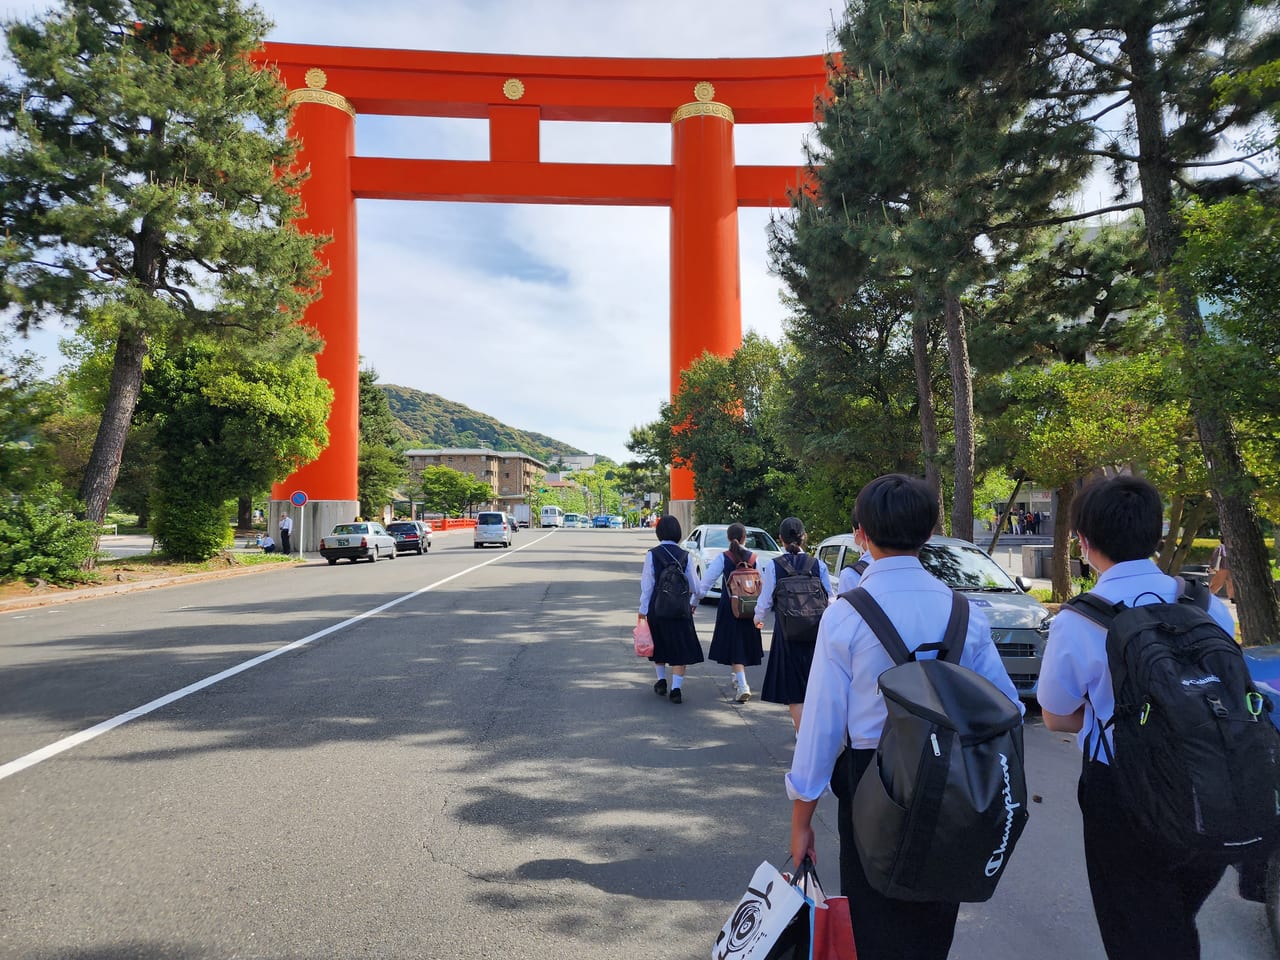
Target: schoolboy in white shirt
[
  {"x": 1145, "y": 900},
  {"x": 896, "y": 514}
]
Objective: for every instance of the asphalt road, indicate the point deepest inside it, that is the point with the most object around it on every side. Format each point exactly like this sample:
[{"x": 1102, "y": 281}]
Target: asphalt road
[{"x": 462, "y": 759}]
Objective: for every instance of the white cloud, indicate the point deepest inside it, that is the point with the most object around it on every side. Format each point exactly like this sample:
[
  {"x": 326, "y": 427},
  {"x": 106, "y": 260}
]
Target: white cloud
[{"x": 550, "y": 318}]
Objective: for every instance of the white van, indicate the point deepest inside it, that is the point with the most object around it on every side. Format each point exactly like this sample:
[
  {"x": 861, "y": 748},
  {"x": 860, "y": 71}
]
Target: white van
[
  {"x": 492, "y": 527},
  {"x": 552, "y": 516}
]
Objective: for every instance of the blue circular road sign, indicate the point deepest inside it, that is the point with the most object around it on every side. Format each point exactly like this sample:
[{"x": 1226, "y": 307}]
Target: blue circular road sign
[{"x": 297, "y": 498}]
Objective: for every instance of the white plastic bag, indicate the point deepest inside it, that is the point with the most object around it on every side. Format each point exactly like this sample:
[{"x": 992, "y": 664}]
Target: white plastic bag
[{"x": 761, "y": 917}]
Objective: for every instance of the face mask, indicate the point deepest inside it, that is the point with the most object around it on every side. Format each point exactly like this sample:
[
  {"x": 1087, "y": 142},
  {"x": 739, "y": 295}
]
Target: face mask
[{"x": 1084, "y": 553}]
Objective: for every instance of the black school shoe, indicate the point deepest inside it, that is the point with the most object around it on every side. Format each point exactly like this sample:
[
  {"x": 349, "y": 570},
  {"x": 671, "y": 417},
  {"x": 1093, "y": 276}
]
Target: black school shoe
[
  {"x": 660, "y": 688},
  {"x": 675, "y": 695}
]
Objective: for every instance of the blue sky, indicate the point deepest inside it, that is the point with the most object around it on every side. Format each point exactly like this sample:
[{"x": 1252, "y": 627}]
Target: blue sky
[{"x": 549, "y": 318}]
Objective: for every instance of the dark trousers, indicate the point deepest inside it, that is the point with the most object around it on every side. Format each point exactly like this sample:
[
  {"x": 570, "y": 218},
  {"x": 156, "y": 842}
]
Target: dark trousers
[
  {"x": 284, "y": 542},
  {"x": 884, "y": 928},
  {"x": 1145, "y": 899}
]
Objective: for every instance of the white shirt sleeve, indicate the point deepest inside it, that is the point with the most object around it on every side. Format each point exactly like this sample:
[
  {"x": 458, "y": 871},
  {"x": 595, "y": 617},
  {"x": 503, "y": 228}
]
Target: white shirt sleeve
[
  {"x": 646, "y": 583},
  {"x": 710, "y": 575},
  {"x": 768, "y": 580}
]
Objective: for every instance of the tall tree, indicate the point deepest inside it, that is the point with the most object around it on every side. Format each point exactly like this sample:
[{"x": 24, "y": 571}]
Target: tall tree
[
  {"x": 142, "y": 188},
  {"x": 381, "y": 467}
]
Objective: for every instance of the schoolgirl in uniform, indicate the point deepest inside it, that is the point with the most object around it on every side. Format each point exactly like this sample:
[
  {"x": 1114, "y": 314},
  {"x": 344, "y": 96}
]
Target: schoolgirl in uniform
[
  {"x": 787, "y": 673},
  {"x": 675, "y": 642},
  {"x": 735, "y": 643}
]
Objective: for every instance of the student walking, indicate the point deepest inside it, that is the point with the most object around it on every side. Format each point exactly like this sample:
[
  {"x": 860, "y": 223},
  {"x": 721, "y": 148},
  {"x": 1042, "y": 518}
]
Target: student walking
[
  {"x": 787, "y": 672},
  {"x": 851, "y": 575},
  {"x": 845, "y": 713},
  {"x": 1145, "y": 894},
  {"x": 736, "y": 641},
  {"x": 1220, "y": 567},
  {"x": 668, "y": 609}
]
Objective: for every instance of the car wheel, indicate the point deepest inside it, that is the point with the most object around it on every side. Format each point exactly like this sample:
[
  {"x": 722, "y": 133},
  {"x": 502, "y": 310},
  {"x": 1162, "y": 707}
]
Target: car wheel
[
  {"x": 421, "y": 551},
  {"x": 395, "y": 554},
  {"x": 332, "y": 560}
]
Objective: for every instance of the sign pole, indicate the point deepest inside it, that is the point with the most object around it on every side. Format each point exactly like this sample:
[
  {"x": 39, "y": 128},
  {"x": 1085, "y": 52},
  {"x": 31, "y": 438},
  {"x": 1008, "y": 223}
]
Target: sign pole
[{"x": 299, "y": 499}]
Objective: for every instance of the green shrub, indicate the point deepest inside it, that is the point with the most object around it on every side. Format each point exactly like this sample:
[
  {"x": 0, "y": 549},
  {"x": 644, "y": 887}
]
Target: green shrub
[
  {"x": 189, "y": 528},
  {"x": 41, "y": 539}
]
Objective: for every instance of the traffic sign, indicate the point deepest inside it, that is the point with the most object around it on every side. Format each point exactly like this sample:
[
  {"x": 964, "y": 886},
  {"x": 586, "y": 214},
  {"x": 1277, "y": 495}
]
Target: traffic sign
[{"x": 297, "y": 498}]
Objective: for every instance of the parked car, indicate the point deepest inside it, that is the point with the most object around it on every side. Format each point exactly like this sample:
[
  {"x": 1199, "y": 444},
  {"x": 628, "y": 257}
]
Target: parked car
[
  {"x": 513, "y": 523},
  {"x": 600, "y": 520},
  {"x": 412, "y": 536},
  {"x": 1019, "y": 623},
  {"x": 616, "y": 522},
  {"x": 709, "y": 539},
  {"x": 363, "y": 540},
  {"x": 492, "y": 527}
]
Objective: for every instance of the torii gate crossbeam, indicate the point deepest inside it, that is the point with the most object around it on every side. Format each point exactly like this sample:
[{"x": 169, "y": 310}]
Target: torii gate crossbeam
[{"x": 703, "y": 186}]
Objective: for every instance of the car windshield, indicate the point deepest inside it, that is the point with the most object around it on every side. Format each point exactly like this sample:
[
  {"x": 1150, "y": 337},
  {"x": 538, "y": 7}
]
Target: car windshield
[
  {"x": 756, "y": 539},
  {"x": 965, "y": 568},
  {"x": 488, "y": 519},
  {"x": 402, "y": 527},
  {"x": 351, "y": 528}
]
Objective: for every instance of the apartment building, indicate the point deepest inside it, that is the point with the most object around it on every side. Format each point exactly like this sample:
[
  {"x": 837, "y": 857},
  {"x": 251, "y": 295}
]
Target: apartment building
[{"x": 509, "y": 473}]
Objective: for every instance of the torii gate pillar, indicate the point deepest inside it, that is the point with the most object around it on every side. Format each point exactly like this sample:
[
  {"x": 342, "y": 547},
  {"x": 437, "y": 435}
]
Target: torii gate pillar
[{"x": 706, "y": 300}]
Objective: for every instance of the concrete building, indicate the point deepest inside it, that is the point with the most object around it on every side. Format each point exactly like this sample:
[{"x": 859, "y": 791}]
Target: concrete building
[{"x": 509, "y": 473}]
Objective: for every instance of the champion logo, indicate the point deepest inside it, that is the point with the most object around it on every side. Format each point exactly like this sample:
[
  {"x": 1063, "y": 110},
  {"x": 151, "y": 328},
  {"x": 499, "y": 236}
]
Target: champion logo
[
  {"x": 997, "y": 855},
  {"x": 1201, "y": 681}
]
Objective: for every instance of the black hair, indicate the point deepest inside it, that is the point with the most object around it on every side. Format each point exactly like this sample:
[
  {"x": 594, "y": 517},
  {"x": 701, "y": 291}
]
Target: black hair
[
  {"x": 1122, "y": 517},
  {"x": 791, "y": 533},
  {"x": 896, "y": 512},
  {"x": 737, "y": 534},
  {"x": 668, "y": 528}
]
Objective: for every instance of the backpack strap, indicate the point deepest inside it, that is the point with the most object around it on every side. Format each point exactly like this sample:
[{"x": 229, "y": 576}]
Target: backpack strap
[
  {"x": 1195, "y": 592},
  {"x": 949, "y": 648},
  {"x": 1092, "y": 607},
  {"x": 860, "y": 567}
]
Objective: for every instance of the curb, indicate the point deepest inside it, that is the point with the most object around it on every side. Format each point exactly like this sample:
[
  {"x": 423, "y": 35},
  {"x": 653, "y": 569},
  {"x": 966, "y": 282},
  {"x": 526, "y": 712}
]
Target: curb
[{"x": 134, "y": 586}]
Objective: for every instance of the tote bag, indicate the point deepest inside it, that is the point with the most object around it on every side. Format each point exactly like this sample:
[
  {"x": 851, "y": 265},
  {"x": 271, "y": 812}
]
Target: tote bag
[{"x": 771, "y": 921}]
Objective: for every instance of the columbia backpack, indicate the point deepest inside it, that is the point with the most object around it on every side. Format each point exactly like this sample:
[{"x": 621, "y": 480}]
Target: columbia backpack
[
  {"x": 799, "y": 598},
  {"x": 936, "y": 816},
  {"x": 1194, "y": 755},
  {"x": 671, "y": 599},
  {"x": 742, "y": 584}
]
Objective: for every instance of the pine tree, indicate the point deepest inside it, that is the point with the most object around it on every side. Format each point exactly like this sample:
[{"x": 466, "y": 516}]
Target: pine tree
[{"x": 141, "y": 192}]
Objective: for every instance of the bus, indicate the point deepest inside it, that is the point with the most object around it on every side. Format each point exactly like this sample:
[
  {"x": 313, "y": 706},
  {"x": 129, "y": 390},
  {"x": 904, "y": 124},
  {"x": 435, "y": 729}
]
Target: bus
[{"x": 552, "y": 517}]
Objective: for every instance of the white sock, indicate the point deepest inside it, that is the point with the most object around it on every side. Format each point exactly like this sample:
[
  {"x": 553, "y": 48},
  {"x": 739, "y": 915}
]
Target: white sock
[
  {"x": 741, "y": 677},
  {"x": 662, "y": 671},
  {"x": 676, "y": 680}
]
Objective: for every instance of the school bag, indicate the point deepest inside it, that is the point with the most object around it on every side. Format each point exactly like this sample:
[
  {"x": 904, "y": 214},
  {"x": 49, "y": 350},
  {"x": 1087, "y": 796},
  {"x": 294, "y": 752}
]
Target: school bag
[
  {"x": 938, "y": 813},
  {"x": 799, "y": 598},
  {"x": 671, "y": 599},
  {"x": 743, "y": 586},
  {"x": 1195, "y": 757}
]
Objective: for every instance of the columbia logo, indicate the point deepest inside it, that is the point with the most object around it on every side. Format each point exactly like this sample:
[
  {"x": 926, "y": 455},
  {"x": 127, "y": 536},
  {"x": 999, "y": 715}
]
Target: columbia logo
[{"x": 1201, "y": 681}]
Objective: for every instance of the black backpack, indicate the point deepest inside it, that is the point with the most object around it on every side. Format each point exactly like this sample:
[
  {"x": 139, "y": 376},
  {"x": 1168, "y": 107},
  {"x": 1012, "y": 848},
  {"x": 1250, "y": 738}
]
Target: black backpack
[
  {"x": 799, "y": 598},
  {"x": 671, "y": 599},
  {"x": 936, "y": 816},
  {"x": 1195, "y": 757}
]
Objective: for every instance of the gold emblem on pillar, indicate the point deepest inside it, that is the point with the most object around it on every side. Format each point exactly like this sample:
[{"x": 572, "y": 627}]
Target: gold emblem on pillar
[
  {"x": 513, "y": 89},
  {"x": 315, "y": 79},
  {"x": 704, "y": 104}
]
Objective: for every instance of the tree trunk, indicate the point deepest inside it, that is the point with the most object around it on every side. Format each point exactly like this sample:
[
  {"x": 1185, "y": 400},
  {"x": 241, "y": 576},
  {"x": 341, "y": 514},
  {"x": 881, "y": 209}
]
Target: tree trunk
[
  {"x": 1008, "y": 509},
  {"x": 1231, "y": 484},
  {"x": 1169, "y": 545},
  {"x": 1062, "y": 543},
  {"x": 244, "y": 513},
  {"x": 962, "y": 388},
  {"x": 924, "y": 392},
  {"x": 108, "y": 447}
]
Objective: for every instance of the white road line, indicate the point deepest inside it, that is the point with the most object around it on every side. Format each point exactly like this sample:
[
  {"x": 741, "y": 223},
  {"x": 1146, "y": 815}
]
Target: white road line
[{"x": 84, "y": 736}]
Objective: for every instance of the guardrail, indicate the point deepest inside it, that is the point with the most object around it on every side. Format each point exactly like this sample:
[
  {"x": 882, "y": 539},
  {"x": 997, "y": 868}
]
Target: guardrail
[{"x": 452, "y": 523}]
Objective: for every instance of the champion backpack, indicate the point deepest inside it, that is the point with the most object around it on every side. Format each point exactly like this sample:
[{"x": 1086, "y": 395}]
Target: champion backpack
[
  {"x": 742, "y": 584},
  {"x": 671, "y": 599},
  {"x": 799, "y": 598},
  {"x": 1195, "y": 757},
  {"x": 936, "y": 816}
]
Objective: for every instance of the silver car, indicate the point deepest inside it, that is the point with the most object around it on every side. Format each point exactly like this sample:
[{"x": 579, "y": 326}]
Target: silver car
[
  {"x": 362, "y": 540},
  {"x": 708, "y": 540},
  {"x": 1019, "y": 623},
  {"x": 492, "y": 527}
]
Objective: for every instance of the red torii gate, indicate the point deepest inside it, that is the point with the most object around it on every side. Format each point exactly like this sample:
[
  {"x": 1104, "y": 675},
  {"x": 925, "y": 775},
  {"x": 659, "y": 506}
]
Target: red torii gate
[{"x": 701, "y": 99}]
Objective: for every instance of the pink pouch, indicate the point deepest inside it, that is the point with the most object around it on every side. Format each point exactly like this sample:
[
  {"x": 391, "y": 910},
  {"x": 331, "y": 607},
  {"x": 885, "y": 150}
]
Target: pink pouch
[{"x": 643, "y": 639}]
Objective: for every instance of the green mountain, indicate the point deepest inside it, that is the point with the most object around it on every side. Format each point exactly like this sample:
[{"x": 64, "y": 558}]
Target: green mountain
[{"x": 426, "y": 420}]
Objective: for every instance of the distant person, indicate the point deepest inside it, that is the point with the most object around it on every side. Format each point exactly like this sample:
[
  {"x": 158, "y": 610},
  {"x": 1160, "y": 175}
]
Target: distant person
[
  {"x": 851, "y": 575},
  {"x": 1145, "y": 894},
  {"x": 736, "y": 642},
  {"x": 787, "y": 672},
  {"x": 286, "y": 528},
  {"x": 1220, "y": 568},
  {"x": 268, "y": 545},
  {"x": 675, "y": 641}
]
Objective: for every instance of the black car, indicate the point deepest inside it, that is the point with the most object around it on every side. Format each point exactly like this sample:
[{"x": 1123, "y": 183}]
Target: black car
[{"x": 412, "y": 536}]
